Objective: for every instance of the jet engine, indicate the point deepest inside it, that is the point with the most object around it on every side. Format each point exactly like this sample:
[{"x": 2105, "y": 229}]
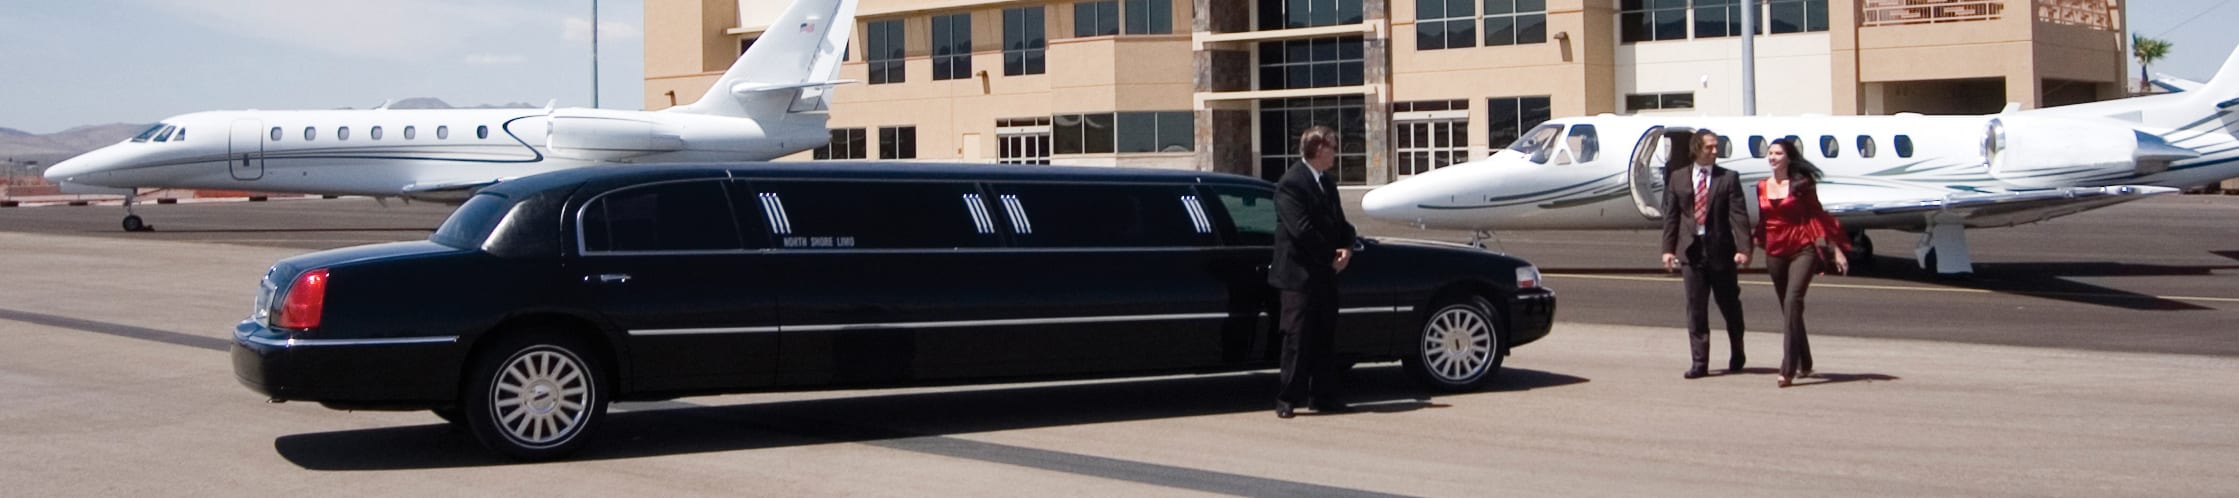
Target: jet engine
[
  {"x": 2055, "y": 152},
  {"x": 608, "y": 137}
]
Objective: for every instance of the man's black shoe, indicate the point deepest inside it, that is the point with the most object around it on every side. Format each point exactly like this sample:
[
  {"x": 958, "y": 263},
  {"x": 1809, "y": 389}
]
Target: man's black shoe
[
  {"x": 1734, "y": 365},
  {"x": 1283, "y": 410},
  {"x": 1696, "y": 373},
  {"x": 1321, "y": 405}
]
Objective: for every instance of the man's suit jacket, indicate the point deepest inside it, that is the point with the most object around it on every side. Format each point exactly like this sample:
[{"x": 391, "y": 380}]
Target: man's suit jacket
[
  {"x": 1313, "y": 227},
  {"x": 1727, "y": 230}
]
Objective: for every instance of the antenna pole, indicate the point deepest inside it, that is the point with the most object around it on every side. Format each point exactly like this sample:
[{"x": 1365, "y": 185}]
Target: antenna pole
[{"x": 594, "y": 54}]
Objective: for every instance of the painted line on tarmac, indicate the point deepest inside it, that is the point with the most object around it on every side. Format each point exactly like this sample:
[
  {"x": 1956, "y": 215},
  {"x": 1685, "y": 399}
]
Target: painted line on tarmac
[
  {"x": 118, "y": 329},
  {"x": 1818, "y": 285},
  {"x": 1072, "y": 463}
]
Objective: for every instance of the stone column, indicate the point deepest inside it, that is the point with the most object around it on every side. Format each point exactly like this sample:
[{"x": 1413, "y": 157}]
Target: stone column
[
  {"x": 1224, "y": 128},
  {"x": 1376, "y": 70}
]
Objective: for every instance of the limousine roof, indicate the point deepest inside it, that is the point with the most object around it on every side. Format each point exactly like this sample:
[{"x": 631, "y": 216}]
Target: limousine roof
[{"x": 635, "y": 173}]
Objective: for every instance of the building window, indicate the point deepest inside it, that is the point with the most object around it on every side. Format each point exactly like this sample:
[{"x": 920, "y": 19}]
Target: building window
[
  {"x": 1866, "y": 146},
  {"x": 897, "y": 142},
  {"x": 1096, "y": 18},
  {"x": 1508, "y": 117},
  {"x": 1829, "y": 147},
  {"x": 1288, "y": 14},
  {"x": 1795, "y": 16},
  {"x": 1083, "y": 133},
  {"x": 1164, "y": 131},
  {"x": 1150, "y": 17},
  {"x": 1430, "y": 134},
  {"x": 1717, "y": 18},
  {"x": 1515, "y": 22},
  {"x": 846, "y": 143},
  {"x": 1281, "y": 121},
  {"x": 1445, "y": 24},
  {"x": 952, "y": 46},
  {"x": 1655, "y": 101},
  {"x": 1022, "y": 140},
  {"x": 1310, "y": 63},
  {"x": 1903, "y": 145},
  {"x": 885, "y": 55},
  {"x": 1023, "y": 41},
  {"x": 1650, "y": 20},
  {"x": 744, "y": 44}
]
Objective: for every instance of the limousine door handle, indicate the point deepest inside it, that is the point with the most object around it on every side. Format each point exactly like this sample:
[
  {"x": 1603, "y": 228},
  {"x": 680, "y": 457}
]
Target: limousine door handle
[{"x": 611, "y": 278}]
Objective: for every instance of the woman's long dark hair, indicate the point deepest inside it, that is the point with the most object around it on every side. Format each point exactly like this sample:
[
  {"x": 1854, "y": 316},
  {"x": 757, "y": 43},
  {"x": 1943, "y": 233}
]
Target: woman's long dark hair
[{"x": 1798, "y": 167}]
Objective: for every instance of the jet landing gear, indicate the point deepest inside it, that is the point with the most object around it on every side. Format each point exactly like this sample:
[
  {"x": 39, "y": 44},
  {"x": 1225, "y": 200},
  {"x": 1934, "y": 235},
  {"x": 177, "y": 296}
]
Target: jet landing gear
[
  {"x": 1480, "y": 237},
  {"x": 132, "y": 222}
]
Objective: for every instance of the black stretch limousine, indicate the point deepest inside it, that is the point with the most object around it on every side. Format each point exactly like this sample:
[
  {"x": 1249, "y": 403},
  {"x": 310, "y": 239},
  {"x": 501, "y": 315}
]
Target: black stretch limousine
[{"x": 543, "y": 298}]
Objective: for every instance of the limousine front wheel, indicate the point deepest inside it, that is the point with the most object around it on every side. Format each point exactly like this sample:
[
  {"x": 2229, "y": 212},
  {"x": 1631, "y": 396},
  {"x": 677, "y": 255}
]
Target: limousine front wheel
[
  {"x": 533, "y": 397},
  {"x": 1459, "y": 347}
]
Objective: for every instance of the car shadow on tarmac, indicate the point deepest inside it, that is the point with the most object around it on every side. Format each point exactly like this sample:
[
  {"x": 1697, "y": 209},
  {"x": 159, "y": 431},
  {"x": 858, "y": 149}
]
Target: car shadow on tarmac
[
  {"x": 2040, "y": 280},
  {"x": 689, "y": 428}
]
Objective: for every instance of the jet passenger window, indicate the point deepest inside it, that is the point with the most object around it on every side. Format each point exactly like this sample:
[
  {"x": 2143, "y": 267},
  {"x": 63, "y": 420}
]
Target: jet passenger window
[
  {"x": 1904, "y": 146},
  {"x": 1584, "y": 142},
  {"x": 1053, "y": 215},
  {"x": 1725, "y": 147},
  {"x": 1829, "y": 147},
  {"x": 275, "y": 133},
  {"x": 829, "y": 215},
  {"x": 1866, "y": 146},
  {"x": 374, "y": 133},
  {"x": 482, "y": 132},
  {"x": 680, "y": 216},
  {"x": 443, "y": 133},
  {"x": 409, "y": 132},
  {"x": 310, "y": 133},
  {"x": 342, "y": 133},
  {"x": 1757, "y": 146}
]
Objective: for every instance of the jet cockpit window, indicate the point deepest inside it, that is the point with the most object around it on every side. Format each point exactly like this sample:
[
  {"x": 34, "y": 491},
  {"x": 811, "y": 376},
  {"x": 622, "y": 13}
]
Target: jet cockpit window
[
  {"x": 1583, "y": 143},
  {"x": 164, "y": 135},
  {"x": 179, "y": 136},
  {"x": 149, "y": 133},
  {"x": 1539, "y": 142}
]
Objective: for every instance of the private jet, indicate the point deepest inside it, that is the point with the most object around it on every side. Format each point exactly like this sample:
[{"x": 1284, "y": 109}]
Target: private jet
[
  {"x": 1935, "y": 175},
  {"x": 772, "y": 102}
]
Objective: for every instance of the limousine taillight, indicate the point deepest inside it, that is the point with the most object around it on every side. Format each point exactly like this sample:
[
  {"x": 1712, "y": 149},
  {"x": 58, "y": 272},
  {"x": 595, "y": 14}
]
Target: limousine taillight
[
  {"x": 1527, "y": 277},
  {"x": 305, "y": 302}
]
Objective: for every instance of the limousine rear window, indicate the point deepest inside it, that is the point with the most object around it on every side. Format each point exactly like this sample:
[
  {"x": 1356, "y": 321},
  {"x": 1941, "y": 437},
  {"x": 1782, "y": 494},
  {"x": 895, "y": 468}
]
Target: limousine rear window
[
  {"x": 676, "y": 216},
  {"x": 1252, "y": 212},
  {"x": 1104, "y": 216},
  {"x": 471, "y": 223},
  {"x": 873, "y": 215}
]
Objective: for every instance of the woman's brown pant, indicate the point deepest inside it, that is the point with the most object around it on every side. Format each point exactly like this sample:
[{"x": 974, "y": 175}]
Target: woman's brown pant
[{"x": 1791, "y": 276}]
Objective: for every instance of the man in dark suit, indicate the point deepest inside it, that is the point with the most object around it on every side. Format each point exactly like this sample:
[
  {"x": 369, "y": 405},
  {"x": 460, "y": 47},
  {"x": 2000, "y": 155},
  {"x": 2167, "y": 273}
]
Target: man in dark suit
[
  {"x": 1706, "y": 236},
  {"x": 1312, "y": 245}
]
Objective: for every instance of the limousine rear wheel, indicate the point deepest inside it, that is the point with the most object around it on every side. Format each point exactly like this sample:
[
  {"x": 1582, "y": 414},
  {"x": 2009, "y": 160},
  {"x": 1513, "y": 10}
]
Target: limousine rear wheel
[
  {"x": 534, "y": 397},
  {"x": 1459, "y": 347}
]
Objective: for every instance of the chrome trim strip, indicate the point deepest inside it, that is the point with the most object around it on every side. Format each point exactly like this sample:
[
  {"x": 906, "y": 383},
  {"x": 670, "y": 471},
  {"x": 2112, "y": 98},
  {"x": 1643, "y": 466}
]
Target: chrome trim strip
[
  {"x": 717, "y": 330},
  {"x": 980, "y": 219},
  {"x": 1376, "y": 309},
  {"x": 1002, "y": 322},
  {"x": 1197, "y": 214},
  {"x": 1017, "y": 212},
  {"x": 293, "y": 342},
  {"x": 769, "y": 212}
]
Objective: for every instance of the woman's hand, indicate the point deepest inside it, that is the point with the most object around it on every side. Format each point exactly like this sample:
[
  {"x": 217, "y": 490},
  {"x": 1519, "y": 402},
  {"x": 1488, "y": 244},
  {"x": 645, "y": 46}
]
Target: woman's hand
[{"x": 1842, "y": 263}]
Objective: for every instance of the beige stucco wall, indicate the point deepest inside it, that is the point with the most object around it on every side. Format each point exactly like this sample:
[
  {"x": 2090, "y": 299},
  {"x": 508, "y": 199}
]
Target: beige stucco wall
[{"x": 1792, "y": 76}]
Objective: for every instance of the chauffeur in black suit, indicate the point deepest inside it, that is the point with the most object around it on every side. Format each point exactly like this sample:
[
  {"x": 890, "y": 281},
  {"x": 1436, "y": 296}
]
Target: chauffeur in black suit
[
  {"x": 1706, "y": 235},
  {"x": 1313, "y": 244}
]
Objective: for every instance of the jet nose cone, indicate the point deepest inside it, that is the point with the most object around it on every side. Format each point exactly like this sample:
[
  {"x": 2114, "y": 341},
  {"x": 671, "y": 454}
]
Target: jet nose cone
[
  {"x": 1383, "y": 202},
  {"x": 63, "y": 171}
]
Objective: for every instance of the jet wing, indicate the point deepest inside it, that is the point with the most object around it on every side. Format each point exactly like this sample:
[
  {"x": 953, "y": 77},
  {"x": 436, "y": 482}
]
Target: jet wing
[{"x": 1991, "y": 209}]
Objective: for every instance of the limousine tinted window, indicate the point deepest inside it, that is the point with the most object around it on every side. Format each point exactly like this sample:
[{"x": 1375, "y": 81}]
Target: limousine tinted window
[
  {"x": 678, "y": 216},
  {"x": 872, "y": 215},
  {"x": 1056, "y": 215},
  {"x": 1251, "y": 213},
  {"x": 467, "y": 227}
]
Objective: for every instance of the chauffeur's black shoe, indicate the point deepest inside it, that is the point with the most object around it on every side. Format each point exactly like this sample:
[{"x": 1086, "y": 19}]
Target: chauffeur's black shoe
[
  {"x": 1329, "y": 405},
  {"x": 1734, "y": 365},
  {"x": 1283, "y": 410},
  {"x": 1696, "y": 373}
]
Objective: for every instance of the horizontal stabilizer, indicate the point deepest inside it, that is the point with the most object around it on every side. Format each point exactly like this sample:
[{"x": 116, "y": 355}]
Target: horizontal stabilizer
[{"x": 747, "y": 88}]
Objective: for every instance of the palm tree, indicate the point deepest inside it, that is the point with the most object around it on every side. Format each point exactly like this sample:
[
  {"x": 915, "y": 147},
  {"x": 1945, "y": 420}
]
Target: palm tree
[{"x": 2147, "y": 50}]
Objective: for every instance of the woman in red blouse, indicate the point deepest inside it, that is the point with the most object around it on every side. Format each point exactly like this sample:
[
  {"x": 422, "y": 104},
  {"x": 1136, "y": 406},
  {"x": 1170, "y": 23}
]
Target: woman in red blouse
[{"x": 1796, "y": 234}]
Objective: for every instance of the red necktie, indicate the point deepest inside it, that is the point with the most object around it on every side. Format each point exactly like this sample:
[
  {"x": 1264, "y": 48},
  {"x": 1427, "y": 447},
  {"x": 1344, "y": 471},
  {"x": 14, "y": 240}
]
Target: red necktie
[{"x": 1702, "y": 198}]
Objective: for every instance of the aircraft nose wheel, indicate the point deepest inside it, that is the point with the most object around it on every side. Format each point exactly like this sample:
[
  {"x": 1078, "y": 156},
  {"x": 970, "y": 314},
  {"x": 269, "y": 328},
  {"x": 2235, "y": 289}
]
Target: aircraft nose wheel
[{"x": 132, "y": 223}]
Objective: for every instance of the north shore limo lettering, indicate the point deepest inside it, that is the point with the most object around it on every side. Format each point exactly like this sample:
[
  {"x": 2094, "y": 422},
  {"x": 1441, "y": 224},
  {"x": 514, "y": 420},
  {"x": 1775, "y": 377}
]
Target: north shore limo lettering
[{"x": 819, "y": 242}]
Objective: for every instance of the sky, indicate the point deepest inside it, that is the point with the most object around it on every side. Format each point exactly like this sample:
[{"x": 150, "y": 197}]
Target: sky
[{"x": 68, "y": 63}]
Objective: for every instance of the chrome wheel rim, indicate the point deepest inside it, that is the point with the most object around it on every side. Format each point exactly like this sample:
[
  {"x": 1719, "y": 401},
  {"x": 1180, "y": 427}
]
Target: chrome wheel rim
[
  {"x": 541, "y": 397},
  {"x": 1457, "y": 344}
]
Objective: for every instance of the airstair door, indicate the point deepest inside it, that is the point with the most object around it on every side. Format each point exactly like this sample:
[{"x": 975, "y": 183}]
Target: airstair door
[
  {"x": 245, "y": 149},
  {"x": 1647, "y": 170}
]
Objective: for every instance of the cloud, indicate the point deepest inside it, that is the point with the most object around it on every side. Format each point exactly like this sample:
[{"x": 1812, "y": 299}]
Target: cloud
[
  {"x": 579, "y": 29},
  {"x": 391, "y": 29},
  {"x": 493, "y": 59}
]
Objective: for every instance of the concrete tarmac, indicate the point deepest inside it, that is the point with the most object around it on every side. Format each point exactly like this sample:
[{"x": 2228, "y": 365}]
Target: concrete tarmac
[{"x": 116, "y": 383}]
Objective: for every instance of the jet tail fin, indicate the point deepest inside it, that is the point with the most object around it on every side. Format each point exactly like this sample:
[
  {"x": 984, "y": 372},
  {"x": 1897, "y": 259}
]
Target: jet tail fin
[{"x": 790, "y": 68}]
